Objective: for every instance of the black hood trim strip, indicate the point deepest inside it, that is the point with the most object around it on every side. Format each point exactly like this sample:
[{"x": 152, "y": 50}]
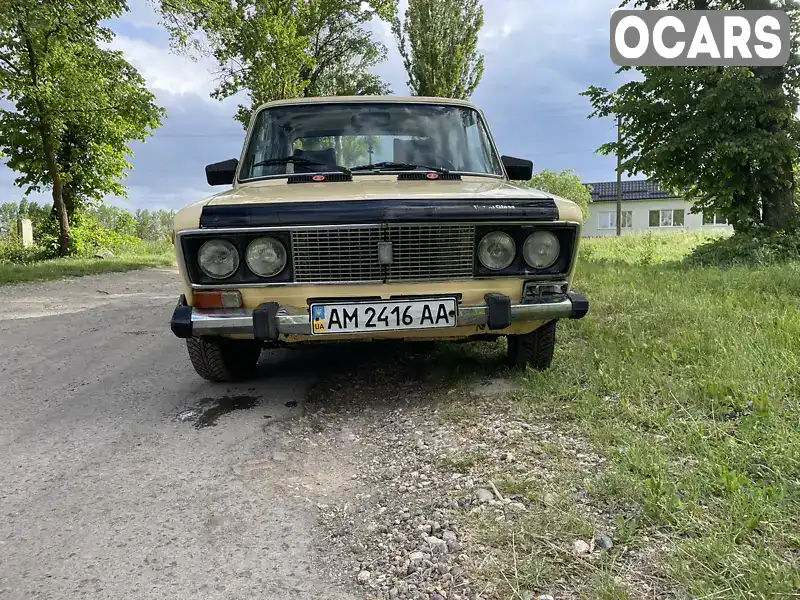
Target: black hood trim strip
[{"x": 377, "y": 211}]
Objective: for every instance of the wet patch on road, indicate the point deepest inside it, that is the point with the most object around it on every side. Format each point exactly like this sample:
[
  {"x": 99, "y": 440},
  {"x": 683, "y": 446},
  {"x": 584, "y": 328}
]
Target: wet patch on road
[{"x": 207, "y": 411}]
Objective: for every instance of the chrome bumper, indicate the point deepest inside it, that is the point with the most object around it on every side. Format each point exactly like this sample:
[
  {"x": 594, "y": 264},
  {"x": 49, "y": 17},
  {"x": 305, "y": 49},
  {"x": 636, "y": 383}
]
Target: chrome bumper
[{"x": 188, "y": 321}]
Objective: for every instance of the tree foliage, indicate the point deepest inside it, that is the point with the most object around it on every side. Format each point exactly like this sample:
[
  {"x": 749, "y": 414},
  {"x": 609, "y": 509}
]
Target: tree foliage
[
  {"x": 566, "y": 184},
  {"x": 94, "y": 227},
  {"x": 155, "y": 226},
  {"x": 276, "y": 49},
  {"x": 438, "y": 41},
  {"x": 94, "y": 145},
  {"x": 11, "y": 212},
  {"x": 75, "y": 105},
  {"x": 727, "y": 136}
]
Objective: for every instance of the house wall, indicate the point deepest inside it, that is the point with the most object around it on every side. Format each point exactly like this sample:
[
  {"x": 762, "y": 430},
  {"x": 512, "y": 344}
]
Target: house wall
[{"x": 640, "y": 210}]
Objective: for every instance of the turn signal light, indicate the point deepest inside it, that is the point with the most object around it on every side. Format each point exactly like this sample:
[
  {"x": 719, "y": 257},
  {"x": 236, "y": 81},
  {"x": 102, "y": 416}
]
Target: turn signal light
[{"x": 218, "y": 299}]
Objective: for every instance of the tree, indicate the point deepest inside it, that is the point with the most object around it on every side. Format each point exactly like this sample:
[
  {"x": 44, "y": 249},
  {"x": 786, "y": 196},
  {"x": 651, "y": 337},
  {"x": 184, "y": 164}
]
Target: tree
[
  {"x": 728, "y": 137},
  {"x": 276, "y": 49},
  {"x": 9, "y": 215},
  {"x": 76, "y": 105},
  {"x": 40, "y": 216},
  {"x": 94, "y": 145},
  {"x": 438, "y": 42},
  {"x": 114, "y": 218},
  {"x": 566, "y": 184},
  {"x": 154, "y": 226}
]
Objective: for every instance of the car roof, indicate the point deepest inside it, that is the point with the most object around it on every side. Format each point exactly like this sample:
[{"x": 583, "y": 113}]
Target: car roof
[{"x": 368, "y": 99}]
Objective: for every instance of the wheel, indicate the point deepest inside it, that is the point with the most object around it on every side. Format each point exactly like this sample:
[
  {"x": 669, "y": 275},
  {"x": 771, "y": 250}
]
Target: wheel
[
  {"x": 221, "y": 359},
  {"x": 534, "y": 349}
]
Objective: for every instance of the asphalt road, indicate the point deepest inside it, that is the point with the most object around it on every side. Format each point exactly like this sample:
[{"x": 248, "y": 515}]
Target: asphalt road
[{"x": 123, "y": 474}]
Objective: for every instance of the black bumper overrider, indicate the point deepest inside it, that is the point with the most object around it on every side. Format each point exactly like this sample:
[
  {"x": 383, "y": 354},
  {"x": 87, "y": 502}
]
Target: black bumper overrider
[
  {"x": 181, "y": 322},
  {"x": 269, "y": 321}
]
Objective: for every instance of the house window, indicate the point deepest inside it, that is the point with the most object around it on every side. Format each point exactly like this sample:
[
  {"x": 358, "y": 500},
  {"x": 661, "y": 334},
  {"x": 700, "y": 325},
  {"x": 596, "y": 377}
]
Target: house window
[
  {"x": 714, "y": 219},
  {"x": 608, "y": 220},
  {"x": 670, "y": 217}
]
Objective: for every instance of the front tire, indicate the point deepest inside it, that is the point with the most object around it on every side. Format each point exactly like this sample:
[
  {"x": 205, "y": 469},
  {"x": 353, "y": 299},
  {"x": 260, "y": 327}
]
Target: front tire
[
  {"x": 223, "y": 360},
  {"x": 534, "y": 349}
]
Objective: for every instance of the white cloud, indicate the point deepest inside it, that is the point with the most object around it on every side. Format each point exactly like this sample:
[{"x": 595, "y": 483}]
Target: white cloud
[{"x": 165, "y": 71}]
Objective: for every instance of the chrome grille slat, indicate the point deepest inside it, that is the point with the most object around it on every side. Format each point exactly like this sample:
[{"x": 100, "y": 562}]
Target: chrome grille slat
[
  {"x": 424, "y": 252},
  {"x": 350, "y": 254},
  {"x": 336, "y": 254}
]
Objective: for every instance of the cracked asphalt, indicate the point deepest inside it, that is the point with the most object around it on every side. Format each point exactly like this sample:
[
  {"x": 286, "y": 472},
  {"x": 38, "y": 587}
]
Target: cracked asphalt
[{"x": 115, "y": 479}]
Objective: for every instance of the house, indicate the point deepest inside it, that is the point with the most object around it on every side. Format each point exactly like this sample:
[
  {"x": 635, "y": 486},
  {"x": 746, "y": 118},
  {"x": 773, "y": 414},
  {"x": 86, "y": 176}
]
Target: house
[{"x": 645, "y": 207}]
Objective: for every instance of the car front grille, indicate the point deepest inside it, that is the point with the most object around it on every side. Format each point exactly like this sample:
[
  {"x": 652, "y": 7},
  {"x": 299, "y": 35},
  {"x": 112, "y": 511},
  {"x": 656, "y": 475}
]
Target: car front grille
[
  {"x": 341, "y": 254},
  {"x": 350, "y": 254}
]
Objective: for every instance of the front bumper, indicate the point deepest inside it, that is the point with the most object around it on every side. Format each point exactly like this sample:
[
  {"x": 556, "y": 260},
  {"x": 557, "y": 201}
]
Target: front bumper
[{"x": 269, "y": 321}]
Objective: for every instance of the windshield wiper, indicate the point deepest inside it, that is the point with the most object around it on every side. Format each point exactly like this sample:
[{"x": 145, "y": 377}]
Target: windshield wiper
[
  {"x": 298, "y": 160},
  {"x": 397, "y": 166}
]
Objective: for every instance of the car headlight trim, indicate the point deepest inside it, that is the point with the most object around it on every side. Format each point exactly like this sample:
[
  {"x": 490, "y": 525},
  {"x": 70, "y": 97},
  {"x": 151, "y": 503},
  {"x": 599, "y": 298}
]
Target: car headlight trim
[
  {"x": 541, "y": 249},
  {"x": 218, "y": 259},
  {"x": 497, "y": 250},
  {"x": 266, "y": 256}
]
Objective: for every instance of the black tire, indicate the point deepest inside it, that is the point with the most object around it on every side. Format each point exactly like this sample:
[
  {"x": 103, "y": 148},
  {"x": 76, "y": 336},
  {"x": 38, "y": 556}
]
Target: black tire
[
  {"x": 221, "y": 359},
  {"x": 534, "y": 349}
]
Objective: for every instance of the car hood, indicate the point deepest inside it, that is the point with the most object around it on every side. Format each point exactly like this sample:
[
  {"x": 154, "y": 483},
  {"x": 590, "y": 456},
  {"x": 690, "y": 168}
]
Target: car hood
[{"x": 373, "y": 188}]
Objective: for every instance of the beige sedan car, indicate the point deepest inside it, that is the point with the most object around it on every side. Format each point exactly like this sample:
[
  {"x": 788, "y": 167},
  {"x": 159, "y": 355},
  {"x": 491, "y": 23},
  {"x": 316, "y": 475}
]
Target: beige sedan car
[{"x": 369, "y": 218}]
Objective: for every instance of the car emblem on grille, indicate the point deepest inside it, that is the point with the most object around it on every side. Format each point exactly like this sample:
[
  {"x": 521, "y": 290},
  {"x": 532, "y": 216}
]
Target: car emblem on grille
[
  {"x": 432, "y": 176},
  {"x": 385, "y": 254},
  {"x": 318, "y": 178}
]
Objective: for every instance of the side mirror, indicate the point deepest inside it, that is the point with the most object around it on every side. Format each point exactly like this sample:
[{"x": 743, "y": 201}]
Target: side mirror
[
  {"x": 518, "y": 169},
  {"x": 222, "y": 173}
]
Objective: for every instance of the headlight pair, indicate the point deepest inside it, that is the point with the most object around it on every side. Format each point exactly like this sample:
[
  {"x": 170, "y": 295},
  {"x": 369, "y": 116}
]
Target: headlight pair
[
  {"x": 497, "y": 250},
  {"x": 219, "y": 259}
]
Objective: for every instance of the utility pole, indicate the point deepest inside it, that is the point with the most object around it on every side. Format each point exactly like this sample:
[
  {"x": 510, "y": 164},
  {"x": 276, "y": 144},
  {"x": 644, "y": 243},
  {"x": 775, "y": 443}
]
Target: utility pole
[{"x": 619, "y": 176}]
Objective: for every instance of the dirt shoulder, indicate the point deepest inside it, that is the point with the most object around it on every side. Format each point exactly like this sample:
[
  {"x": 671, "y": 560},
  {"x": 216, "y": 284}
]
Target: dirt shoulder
[{"x": 452, "y": 494}]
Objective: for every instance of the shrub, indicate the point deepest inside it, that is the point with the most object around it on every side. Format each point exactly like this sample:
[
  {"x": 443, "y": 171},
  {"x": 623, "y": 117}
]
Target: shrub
[
  {"x": 757, "y": 248},
  {"x": 12, "y": 251},
  {"x": 89, "y": 236},
  {"x": 566, "y": 184}
]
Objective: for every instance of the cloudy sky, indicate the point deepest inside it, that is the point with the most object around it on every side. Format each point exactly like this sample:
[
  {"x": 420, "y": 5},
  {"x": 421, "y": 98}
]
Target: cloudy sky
[{"x": 540, "y": 54}]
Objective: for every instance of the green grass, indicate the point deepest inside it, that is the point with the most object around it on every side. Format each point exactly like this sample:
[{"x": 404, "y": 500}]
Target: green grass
[
  {"x": 145, "y": 255},
  {"x": 687, "y": 379}
]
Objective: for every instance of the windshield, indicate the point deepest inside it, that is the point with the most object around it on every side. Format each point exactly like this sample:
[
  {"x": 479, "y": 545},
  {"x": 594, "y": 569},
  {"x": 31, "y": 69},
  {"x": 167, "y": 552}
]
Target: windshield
[{"x": 325, "y": 137}]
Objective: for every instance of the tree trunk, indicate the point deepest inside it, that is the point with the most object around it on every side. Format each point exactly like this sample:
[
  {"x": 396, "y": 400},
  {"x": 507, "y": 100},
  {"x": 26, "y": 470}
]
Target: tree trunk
[
  {"x": 69, "y": 200},
  {"x": 744, "y": 214},
  {"x": 49, "y": 147},
  {"x": 58, "y": 187},
  {"x": 780, "y": 209}
]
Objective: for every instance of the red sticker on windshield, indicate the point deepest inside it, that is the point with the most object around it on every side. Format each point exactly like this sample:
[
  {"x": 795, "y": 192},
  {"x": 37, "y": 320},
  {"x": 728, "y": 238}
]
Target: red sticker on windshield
[
  {"x": 318, "y": 178},
  {"x": 433, "y": 176}
]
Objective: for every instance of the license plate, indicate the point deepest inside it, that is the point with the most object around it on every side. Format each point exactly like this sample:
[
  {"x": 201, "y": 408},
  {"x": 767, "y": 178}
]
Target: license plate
[{"x": 362, "y": 317}]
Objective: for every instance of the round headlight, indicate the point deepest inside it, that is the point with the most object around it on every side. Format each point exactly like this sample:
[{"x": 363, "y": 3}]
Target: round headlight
[
  {"x": 218, "y": 259},
  {"x": 497, "y": 250},
  {"x": 541, "y": 249},
  {"x": 266, "y": 257}
]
